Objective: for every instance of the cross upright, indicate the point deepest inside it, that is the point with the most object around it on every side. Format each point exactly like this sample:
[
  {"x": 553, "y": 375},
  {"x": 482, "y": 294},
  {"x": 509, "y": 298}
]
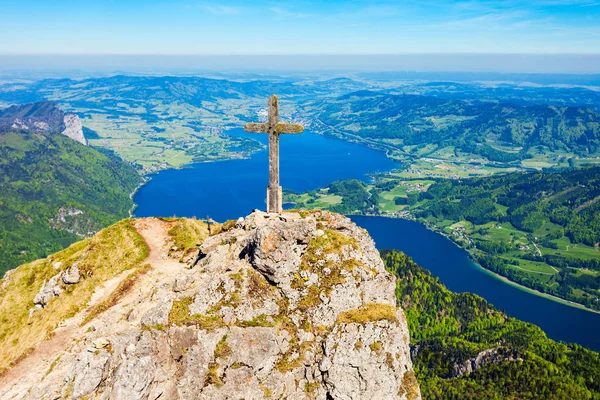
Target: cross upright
[{"x": 274, "y": 128}]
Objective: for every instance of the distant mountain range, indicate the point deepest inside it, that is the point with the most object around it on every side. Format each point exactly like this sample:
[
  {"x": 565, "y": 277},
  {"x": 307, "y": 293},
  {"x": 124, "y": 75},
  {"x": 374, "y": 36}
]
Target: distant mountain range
[
  {"x": 53, "y": 189},
  {"x": 167, "y": 121}
]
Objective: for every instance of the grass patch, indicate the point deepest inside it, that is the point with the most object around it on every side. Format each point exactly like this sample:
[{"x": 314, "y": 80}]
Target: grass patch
[
  {"x": 266, "y": 391},
  {"x": 311, "y": 387},
  {"x": 376, "y": 347},
  {"x": 180, "y": 315},
  {"x": 410, "y": 385},
  {"x": 111, "y": 251},
  {"x": 286, "y": 363},
  {"x": 222, "y": 350},
  {"x": 261, "y": 320},
  {"x": 370, "y": 312},
  {"x": 188, "y": 233},
  {"x": 212, "y": 376},
  {"x": 53, "y": 364}
]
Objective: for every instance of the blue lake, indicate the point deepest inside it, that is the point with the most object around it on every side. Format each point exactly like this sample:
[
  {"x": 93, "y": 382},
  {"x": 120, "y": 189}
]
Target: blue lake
[
  {"x": 233, "y": 188},
  {"x": 456, "y": 270},
  {"x": 230, "y": 189}
]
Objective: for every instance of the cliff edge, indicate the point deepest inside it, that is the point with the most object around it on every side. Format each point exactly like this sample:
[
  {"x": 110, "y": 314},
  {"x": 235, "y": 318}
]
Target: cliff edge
[{"x": 297, "y": 305}]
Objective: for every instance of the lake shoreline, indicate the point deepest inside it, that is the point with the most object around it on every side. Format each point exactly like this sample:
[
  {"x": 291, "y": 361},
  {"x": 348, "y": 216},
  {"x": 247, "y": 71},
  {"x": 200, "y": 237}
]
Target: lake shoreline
[
  {"x": 432, "y": 228},
  {"x": 502, "y": 278}
]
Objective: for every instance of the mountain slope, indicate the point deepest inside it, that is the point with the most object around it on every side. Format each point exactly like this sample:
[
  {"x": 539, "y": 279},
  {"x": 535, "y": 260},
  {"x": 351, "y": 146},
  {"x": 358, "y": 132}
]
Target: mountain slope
[
  {"x": 273, "y": 306},
  {"x": 139, "y": 323},
  {"x": 463, "y": 348},
  {"x": 514, "y": 224},
  {"x": 53, "y": 190},
  {"x": 43, "y": 117}
]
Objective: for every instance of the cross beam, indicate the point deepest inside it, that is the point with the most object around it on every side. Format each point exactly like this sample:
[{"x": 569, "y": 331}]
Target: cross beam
[{"x": 274, "y": 128}]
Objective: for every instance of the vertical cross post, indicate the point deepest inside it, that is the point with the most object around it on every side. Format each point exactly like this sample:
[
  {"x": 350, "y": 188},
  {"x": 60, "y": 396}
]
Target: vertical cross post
[
  {"x": 274, "y": 193},
  {"x": 274, "y": 128}
]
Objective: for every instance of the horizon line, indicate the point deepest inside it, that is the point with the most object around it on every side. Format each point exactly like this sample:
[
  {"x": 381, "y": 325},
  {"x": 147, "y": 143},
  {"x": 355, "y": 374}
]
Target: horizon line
[{"x": 305, "y": 54}]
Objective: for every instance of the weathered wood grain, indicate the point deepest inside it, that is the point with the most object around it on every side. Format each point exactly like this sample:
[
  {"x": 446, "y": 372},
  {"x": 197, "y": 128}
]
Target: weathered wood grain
[{"x": 274, "y": 128}]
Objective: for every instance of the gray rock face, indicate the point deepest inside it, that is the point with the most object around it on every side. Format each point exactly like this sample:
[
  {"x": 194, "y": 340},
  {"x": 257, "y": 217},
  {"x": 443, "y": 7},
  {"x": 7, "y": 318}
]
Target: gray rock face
[
  {"x": 54, "y": 286},
  {"x": 74, "y": 129},
  {"x": 51, "y": 288},
  {"x": 71, "y": 275},
  {"x": 483, "y": 358},
  {"x": 280, "y": 306}
]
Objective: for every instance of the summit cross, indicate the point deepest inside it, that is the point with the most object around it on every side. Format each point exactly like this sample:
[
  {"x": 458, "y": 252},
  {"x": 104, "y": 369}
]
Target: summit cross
[{"x": 274, "y": 128}]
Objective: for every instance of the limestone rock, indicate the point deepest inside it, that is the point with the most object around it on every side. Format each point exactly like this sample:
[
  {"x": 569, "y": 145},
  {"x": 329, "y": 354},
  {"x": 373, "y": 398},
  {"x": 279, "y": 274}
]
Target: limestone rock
[
  {"x": 101, "y": 343},
  {"x": 483, "y": 358},
  {"x": 51, "y": 288},
  {"x": 278, "y": 306},
  {"x": 182, "y": 283},
  {"x": 54, "y": 286},
  {"x": 71, "y": 275},
  {"x": 73, "y": 128}
]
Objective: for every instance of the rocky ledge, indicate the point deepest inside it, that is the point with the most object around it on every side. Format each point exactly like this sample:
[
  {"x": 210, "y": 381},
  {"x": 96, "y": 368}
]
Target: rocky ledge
[{"x": 295, "y": 306}]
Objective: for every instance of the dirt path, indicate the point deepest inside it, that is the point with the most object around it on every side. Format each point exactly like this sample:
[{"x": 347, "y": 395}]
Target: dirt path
[{"x": 155, "y": 234}]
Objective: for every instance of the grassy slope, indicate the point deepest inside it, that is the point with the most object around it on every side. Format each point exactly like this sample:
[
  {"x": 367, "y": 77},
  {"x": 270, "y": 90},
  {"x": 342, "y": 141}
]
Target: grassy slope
[
  {"x": 40, "y": 174},
  {"x": 449, "y": 328},
  {"x": 113, "y": 250}
]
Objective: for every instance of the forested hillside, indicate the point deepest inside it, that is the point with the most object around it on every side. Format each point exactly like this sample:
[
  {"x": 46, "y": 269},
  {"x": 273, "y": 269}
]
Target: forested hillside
[
  {"x": 497, "y": 131},
  {"x": 539, "y": 229},
  {"x": 516, "y": 223},
  {"x": 54, "y": 191},
  {"x": 463, "y": 348}
]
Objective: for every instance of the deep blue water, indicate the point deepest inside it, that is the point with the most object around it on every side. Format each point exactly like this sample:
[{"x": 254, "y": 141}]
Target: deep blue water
[
  {"x": 456, "y": 270},
  {"x": 233, "y": 188},
  {"x": 229, "y": 189}
]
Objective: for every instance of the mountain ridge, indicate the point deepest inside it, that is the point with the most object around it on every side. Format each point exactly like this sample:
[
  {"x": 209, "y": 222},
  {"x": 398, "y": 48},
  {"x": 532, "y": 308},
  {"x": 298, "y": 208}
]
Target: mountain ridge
[
  {"x": 42, "y": 117},
  {"x": 292, "y": 305}
]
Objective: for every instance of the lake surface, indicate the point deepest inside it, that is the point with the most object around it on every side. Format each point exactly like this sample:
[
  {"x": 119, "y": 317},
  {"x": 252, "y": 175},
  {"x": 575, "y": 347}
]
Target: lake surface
[
  {"x": 230, "y": 189},
  {"x": 233, "y": 188},
  {"x": 456, "y": 270}
]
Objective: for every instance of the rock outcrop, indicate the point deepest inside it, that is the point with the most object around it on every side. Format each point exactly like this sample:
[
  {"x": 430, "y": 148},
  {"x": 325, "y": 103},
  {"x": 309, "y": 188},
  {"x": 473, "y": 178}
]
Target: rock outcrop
[
  {"x": 295, "y": 306},
  {"x": 74, "y": 129},
  {"x": 483, "y": 358},
  {"x": 54, "y": 286},
  {"x": 43, "y": 117}
]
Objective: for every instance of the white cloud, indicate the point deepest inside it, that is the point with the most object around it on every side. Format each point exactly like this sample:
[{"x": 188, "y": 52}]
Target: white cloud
[
  {"x": 282, "y": 12},
  {"x": 221, "y": 9}
]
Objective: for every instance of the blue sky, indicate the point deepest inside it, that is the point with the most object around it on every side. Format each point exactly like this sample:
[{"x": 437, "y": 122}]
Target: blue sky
[{"x": 298, "y": 27}]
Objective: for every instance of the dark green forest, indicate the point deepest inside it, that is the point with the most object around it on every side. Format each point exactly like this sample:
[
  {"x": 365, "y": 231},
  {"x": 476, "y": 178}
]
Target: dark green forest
[
  {"x": 449, "y": 330},
  {"x": 567, "y": 198},
  {"x": 53, "y": 191}
]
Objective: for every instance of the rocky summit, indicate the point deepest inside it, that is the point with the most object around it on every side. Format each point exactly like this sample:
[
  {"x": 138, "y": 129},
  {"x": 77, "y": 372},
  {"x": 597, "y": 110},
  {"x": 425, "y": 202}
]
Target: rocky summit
[{"x": 291, "y": 305}]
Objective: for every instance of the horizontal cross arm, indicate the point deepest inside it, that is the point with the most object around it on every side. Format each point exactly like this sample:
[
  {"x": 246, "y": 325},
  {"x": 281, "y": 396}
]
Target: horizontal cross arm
[
  {"x": 256, "y": 127},
  {"x": 289, "y": 128}
]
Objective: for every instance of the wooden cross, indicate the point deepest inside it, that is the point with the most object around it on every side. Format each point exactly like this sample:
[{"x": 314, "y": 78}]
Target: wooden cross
[{"x": 274, "y": 128}]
